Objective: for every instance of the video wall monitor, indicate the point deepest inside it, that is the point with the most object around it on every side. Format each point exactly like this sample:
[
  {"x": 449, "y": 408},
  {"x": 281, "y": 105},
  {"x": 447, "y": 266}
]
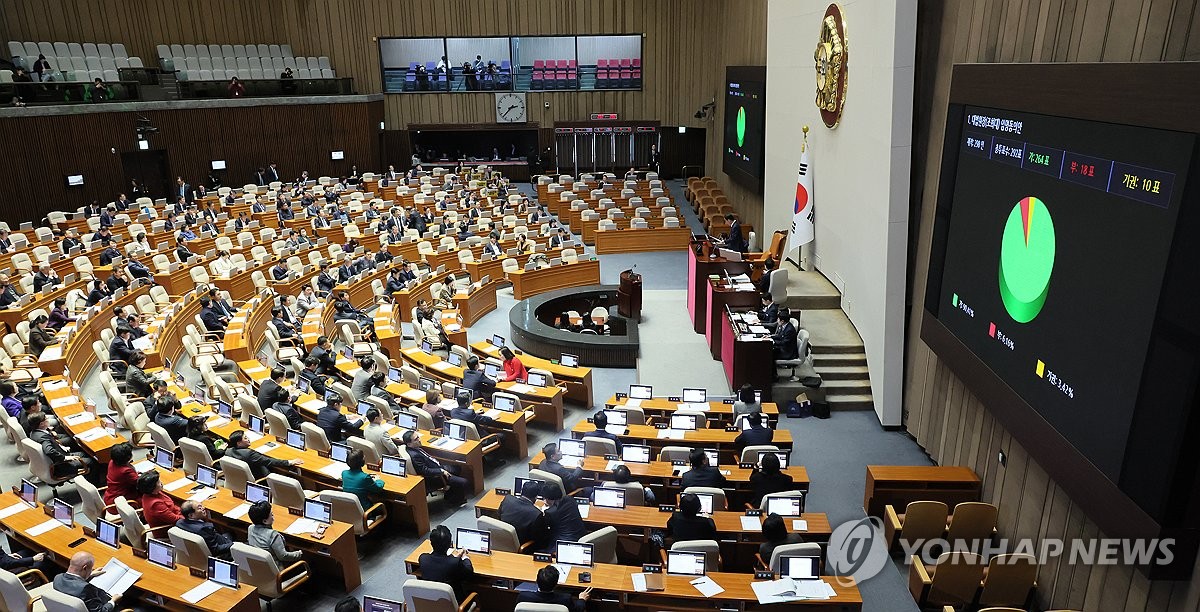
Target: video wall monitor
[
  {"x": 218, "y": 164},
  {"x": 744, "y": 124},
  {"x": 1020, "y": 301},
  {"x": 337, "y": 155},
  {"x": 74, "y": 180}
]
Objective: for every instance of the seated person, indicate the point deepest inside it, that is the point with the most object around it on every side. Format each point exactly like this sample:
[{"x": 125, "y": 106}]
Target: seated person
[
  {"x": 157, "y": 507},
  {"x": 354, "y": 480},
  {"x": 601, "y": 421},
  {"x": 551, "y": 458},
  {"x": 170, "y": 419},
  {"x": 262, "y": 535},
  {"x": 769, "y": 479},
  {"x": 746, "y": 403},
  {"x": 687, "y": 523},
  {"x": 197, "y": 429},
  {"x": 775, "y": 534},
  {"x": 335, "y": 424},
  {"x": 195, "y": 520},
  {"x": 260, "y": 464},
  {"x": 445, "y": 565},
  {"x": 377, "y": 433},
  {"x": 562, "y": 515},
  {"x": 784, "y": 339},
  {"x": 702, "y": 474},
  {"x": 513, "y": 368},
  {"x": 74, "y": 582},
  {"x": 758, "y": 433},
  {"x": 622, "y": 475},
  {"x": 520, "y": 512},
  {"x": 768, "y": 315},
  {"x": 475, "y": 380},
  {"x": 547, "y": 581},
  {"x": 439, "y": 476}
]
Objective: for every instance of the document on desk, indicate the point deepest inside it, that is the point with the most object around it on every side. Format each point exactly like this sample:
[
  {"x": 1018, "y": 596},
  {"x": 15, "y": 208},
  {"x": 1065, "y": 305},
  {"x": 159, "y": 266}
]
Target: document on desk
[
  {"x": 143, "y": 466},
  {"x": 301, "y": 525},
  {"x": 642, "y": 585},
  {"x": 13, "y": 509},
  {"x": 616, "y": 430},
  {"x": 218, "y": 422},
  {"x": 415, "y": 395},
  {"x": 238, "y": 511},
  {"x": 117, "y": 577},
  {"x": 760, "y": 330},
  {"x": 633, "y": 402},
  {"x": 43, "y": 527},
  {"x": 79, "y": 418},
  {"x": 334, "y": 470},
  {"x": 178, "y": 484},
  {"x": 313, "y": 404},
  {"x": 65, "y": 400},
  {"x": 202, "y": 494},
  {"x": 446, "y": 444},
  {"x": 202, "y": 590},
  {"x": 670, "y": 434},
  {"x": 520, "y": 389},
  {"x": 571, "y": 461},
  {"x": 584, "y": 511},
  {"x": 564, "y": 571},
  {"x": 440, "y": 366},
  {"x": 707, "y": 586},
  {"x": 94, "y": 433},
  {"x": 787, "y": 589},
  {"x": 612, "y": 465},
  {"x": 492, "y": 413},
  {"x": 144, "y": 343},
  {"x": 54, "y": 385},
  {"x": 252, "y": 436},
  {"x": 799, "y": 525},
  {"x": 751, "y": 523}
]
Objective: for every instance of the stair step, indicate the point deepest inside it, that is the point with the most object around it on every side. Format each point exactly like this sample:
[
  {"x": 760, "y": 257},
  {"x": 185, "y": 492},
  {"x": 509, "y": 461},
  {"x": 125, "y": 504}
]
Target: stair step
[
  {"x": 850, "y": 402},
  {"x": 838, "y": 359},
  {"x": 853, "y": 349},
  {"x": 843, "y": 372},
  {"x": 846, "y": 387}
]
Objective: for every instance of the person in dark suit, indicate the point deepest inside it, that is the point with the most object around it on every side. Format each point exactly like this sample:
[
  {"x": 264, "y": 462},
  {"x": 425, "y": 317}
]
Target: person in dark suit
[
  {"x": 547, "y": 581},
  {"x": 784, "y": 338},
  {"x": 530, "y": 523},
  {"x": 260, "y": 177},
  {"x": 137, "y": 269},
  {"x": 121, "y": 350},
  {"x": 464, "y": 412},
  {"x": 63, "y": 462},
  {"x": 434, "y": 472},
  {"x": 770, "y": 479},
  {"x": 98, "y": 292},
  {"x": 40, "y": 335},
  {"x": 768, "y": 315},
  {"x": 220, "y": 305},
  {"x": 764, "y": 282},
  {"x": 316, "y": 382},
  {"x": 272, "y": 173},
  {"x": 45, "y": 277},
  {"x": 287, "y": 331},
  {"x": 551, "y": 458},
  {"x": 601, "y": 421},
  {"x": 107, "y": 218},
  {"x": 326, "y": 362},
  {"x": 335, "y": 424},
  {"x": 702, "y": 474},
  {"x": 325, "y": 280},
  {"x": 74, "y": 582},
  {"x": 214, "y": 322},
  {"x": 280, "y": 271},
  {"x": 195, "y": 520},
  {"x": 182, "y": 252},
  {"x": 477, "y": 381},
  {"x": 168, "y": 418},
  {"x": 735, "y": 242},
  {"x": 562, "y": 515},
  {"x": 272, "y": 391},
  {"x": 8, "y": 293},
  {"x": 442, "y": 565},
  {"x": 260, "y": 464},
  {"x": 183, "y": 190},
  {"x": 758, "y": 433},
  {"x": 687, "y": 524},
  {"x": 70, "y": 241}
]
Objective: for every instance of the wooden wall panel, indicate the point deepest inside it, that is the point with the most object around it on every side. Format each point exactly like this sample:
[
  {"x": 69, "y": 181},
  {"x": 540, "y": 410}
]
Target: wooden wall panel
[
  {"x": 944, "y": 416},
  {"x": 40, "y": 150},
  {"x": 686, "y": 47}
]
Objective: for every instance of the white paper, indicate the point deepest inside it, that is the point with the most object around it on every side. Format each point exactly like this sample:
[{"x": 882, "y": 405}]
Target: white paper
[
  {"x": 799, "y": 525},
  {"x": 313, "y": 404},
  {"x": 415, "y": 395},
  {"x": 238, "y": 511},
  {"x": 218, "y": 422},
  {"x": 639, "y": 582},
  {"x": 440, "y": 366},
  {"x": 202, "y": 494},
  {"x": 269, "y": 447},
  {"x": 334, "y": 470},
  {"x": 707, "y": 586},
  {"x": 633, "y": 402},
  {"x": 202, "y": 590},
  {"x": 178, "y": 484},
  {"x": 564, "y": 571},
  {"x": 117, "y": 577},
  {"x": 491, "y": 413},
  {"x": 94, "y": 433},
  {"x": 616, "y": 430},
  {"x": 78, "y": 418},
  {"x": 448, "y": 444},
  {"x": 13, "y": 509},
  {"x": 520, "y": 388},
  {"x": 584, "y": 510},
  {"x": 65, "y": 400},
  {"x": 144, "y": 343},
  {"x": 143, "y": 466},
  {"x": 571, "y": 461},
  {"x": 43, "y": 527},
  {"x": 301, "y": 525},
  {"x": 758, "y": 329},
  {"x": 751, "y": 523},
  {"x": 54, "y": 385},
  {"x": 786, "y": 589},
  {"x": 670, "y": 434},
  {"x": 612, "y": 465}
]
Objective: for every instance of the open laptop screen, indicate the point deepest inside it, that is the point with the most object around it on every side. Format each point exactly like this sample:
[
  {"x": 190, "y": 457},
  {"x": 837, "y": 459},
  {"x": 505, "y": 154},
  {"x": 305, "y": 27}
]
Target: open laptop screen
[{"x": 685, "y": 563}]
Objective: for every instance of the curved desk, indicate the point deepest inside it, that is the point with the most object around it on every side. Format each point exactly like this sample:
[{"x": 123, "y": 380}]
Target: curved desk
[
  {"x": 533, "y": 336},
  {"x": 527, "y": 283}
]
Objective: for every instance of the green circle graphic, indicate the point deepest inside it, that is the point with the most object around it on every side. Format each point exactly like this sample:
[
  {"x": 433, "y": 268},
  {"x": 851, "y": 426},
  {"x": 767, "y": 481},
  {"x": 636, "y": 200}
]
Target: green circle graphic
[
  {"x": 1027, "y": 250},
  {"x": 741, "y": 125}
]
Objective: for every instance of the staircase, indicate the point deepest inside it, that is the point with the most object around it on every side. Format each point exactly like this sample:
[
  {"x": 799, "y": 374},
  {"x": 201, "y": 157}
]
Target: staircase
[
  {"x": 844, "y": 376},
  {"x": 167, "y": 88}
]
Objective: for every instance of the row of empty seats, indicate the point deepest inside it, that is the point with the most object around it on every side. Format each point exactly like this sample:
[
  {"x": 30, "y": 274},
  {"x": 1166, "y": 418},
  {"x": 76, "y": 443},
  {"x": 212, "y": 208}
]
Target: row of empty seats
[
  {"x": 251, "y": 74},
  {"x": 189, "y": 50},
  {"x": 62, "y": 49},
  {"x": 73, "y": 61},
  {"x": 265, "y": 64}
]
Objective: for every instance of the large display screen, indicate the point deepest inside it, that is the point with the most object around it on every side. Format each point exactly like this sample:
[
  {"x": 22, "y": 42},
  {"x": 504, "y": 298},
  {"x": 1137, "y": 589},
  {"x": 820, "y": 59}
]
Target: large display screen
[
  {"x": 745, "y": 120},
  {"x": 1058, "y": 239}
]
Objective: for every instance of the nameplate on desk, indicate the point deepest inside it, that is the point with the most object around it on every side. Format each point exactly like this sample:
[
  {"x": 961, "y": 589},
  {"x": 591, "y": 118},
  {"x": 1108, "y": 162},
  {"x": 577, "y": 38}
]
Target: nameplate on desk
[
  {"x": 652, "y": 568},
  {"x": 611, "y": 458},
  {"x": 754, "y": 512},
  {"x": 678, "y": 462},
  {"x": 296, "y": 511},
  {"x": 746, "y": 466},
  {"x": 590, "y": 420},
  {"x": 140, "y": 554},
  {"x": 582, "y": 501},
  {"x": 500, "y": 491},
  {"x": 666, "y": 508},
  {"x": 727, "y": 402},
  {"x": 238, "y": 494},
  {"x": 661, "y": 425},
  {"x": 542, "y": 557},
  {"x": 674, "y": 398},
  {"x": 764, "y": 575},
  {"x": 731, "y": 428},
  {"x": 198, "y": 572},
  {"x": 622, "y": 396}
]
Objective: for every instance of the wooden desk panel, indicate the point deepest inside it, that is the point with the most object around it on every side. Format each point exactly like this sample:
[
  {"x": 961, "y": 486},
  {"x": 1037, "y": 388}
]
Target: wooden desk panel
[
  {"x": 720, "y": 412},
  {"x": 532, "y": 282},
  {"x": 578, "y": 381},
  {"x": 479, "y": 302},
  {"x": 170, "y": 585},
  {"x": 718, "y": 438},
  {"x": 637, "y": 241},
  {"x": 900, "y": 484}
]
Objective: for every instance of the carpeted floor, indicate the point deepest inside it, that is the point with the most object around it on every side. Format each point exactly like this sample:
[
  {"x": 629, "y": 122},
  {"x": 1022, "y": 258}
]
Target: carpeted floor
[{"x": 836, "y": 451}]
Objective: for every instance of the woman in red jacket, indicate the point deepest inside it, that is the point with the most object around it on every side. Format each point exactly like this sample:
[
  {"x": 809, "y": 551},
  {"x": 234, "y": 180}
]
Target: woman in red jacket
[
  {"x": 513, "y": 368},
  {"x": 122, "y": 478},
  {"x": 157, "y": 507}
]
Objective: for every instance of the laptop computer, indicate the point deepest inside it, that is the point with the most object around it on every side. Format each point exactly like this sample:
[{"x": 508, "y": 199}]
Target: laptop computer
[
  {"x": 108, "y": 533},
  {"x": 405, "y": 420},
  {"x": 256, "y": 492},
  {"x": 685, "y": 422},
  {"x": 161, "y": 553},
  {"x": 473, "y": 540},
  {"x": 537, "y": 380},
  {"x": 608, "y": 497},
  {"x": 685, "y": 563},
  {"x": 375, "y": 604},
  {"x": 785, "y": 506},
  {"x": 642, "y": 392},
  {"x": 568, "y": 360},
  {"x": 695, "y": 396},
  {"x": 224, "y": 573},
  {"x": 393, "y": 466},
  {"x": 319, "y": 511},
  {"x": 574, "y": 553},
  {"x": 338, "y": 451},
  {"x": 634, "y": 453},
  {"x": 295, "y": 439},
  {"x": 800, "y": 567},
  {"x": 206, "y": 476},
  {"x": 164, "y": 458}
]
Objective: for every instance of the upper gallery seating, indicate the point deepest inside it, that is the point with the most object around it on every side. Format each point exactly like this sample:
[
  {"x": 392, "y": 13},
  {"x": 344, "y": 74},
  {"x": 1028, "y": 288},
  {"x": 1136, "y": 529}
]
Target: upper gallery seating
[
  {"x": 72, "y": 61},
  {"x": 201, "y": 62}
]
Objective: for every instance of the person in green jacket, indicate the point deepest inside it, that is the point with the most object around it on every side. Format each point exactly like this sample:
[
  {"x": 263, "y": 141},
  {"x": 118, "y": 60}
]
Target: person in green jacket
[{"x": 358, "y": 482}]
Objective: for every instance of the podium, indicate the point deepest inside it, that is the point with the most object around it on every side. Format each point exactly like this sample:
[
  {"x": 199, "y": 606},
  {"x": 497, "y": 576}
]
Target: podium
[{"x": 629, "y": 295}]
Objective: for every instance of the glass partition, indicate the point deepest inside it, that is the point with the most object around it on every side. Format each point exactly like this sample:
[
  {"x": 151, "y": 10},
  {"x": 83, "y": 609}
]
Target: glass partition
[
  {"x": 479, "y": 64},
  {"x": 412, "y": 64}
]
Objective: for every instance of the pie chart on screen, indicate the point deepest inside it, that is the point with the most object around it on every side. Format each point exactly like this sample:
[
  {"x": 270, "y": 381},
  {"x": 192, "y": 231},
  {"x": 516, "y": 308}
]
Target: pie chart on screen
[
  {"x": 741, "y": 125},
  {"x": 1026, "y": 259}
]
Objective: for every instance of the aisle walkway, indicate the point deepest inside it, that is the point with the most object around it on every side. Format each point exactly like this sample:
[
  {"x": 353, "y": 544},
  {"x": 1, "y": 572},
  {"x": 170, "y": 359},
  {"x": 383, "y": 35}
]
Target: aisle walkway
[{"x": 673, "y": 355}]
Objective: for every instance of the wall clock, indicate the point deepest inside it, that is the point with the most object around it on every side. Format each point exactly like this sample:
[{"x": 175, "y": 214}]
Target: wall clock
[{"x": 510, "y": 107}]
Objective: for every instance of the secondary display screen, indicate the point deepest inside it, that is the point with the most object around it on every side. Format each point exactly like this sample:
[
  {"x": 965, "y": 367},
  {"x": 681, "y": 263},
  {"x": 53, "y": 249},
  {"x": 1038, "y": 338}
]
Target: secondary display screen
[
  {"x": 1056, "y": 244},
  {"x": 745, "y": 120}
]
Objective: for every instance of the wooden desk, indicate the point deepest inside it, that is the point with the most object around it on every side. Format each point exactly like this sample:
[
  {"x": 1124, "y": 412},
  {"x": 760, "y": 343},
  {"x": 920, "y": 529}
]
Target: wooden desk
[
  {"x": 719, "y": 412},
  {"x": 546, "y": 402},
  {"x": 747, "y": 359},
  {"x": 336, "y": 552},
  {"x": 177, "y": 282},
  {"x": 156, "y": 582},
  {"x": 11, "y": 316},
  {"x": 479, "y": 302},
  {"x": 900, "y": 484},
  {"x": 66, "y": 404},
  {"x": 496, "y": 575},
  {"x": 699, "y": 269},
  {"x": 717, "y": 438},
  {"x": 532, "y": 282},
  {"x": 637, "y": 241},
  {"x": 721, "y": 295},
  {"x": 243, "y": 335},
  {"x": 578, "y": 381}
]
